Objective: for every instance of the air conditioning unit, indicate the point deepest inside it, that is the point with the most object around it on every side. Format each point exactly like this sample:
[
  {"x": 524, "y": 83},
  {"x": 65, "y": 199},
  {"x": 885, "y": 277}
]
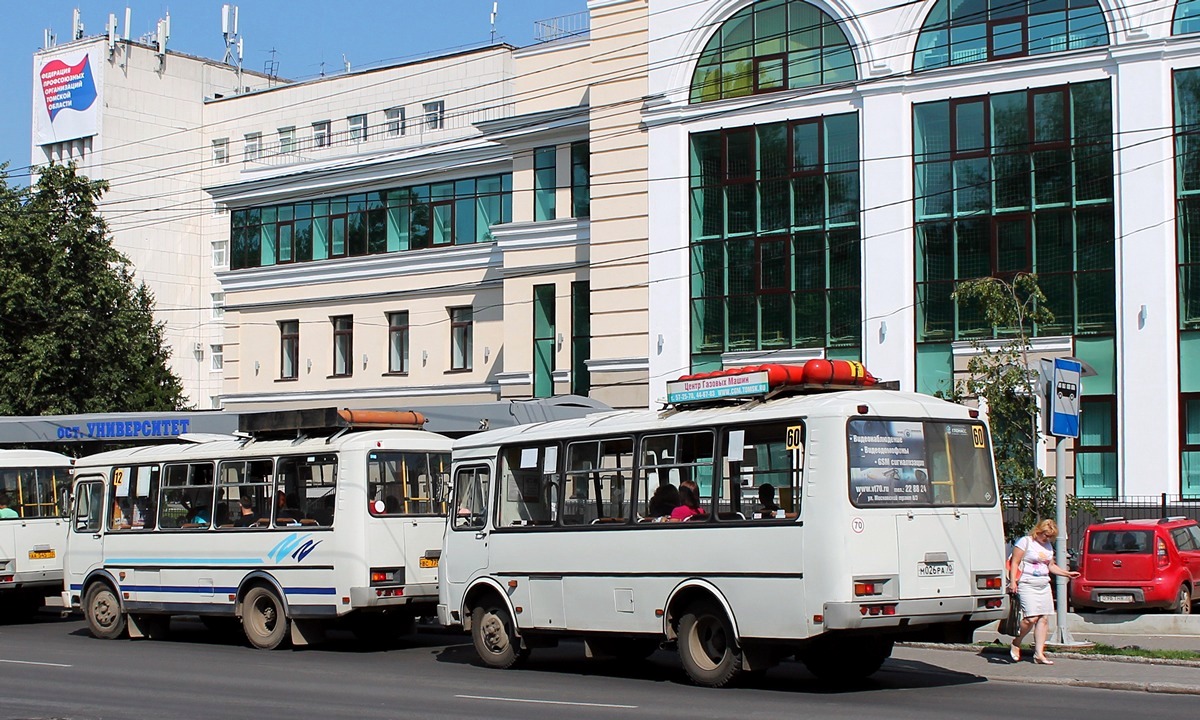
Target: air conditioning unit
[{"x": 198, "y": 349}]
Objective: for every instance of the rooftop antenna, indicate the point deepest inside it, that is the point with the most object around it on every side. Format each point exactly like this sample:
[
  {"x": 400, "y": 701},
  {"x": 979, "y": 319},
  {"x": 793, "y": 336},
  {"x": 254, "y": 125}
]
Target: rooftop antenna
[
  {"x": 345, "y": 63},
  {"x": 76, "y": 25},
  {"x": 495, "y": 11},
  {"x": 233, "y": 40},
  {"x": 112, "y": 34},
  {"x": 271, "y": 67},
  {"x": 128, "y": 21},
  {"x": 49, "y": 39}
]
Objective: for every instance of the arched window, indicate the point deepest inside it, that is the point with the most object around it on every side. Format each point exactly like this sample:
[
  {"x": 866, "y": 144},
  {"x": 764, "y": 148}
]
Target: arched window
[
  {"x": 769, "y": 46},
  {"x": 1187, "y": 17},
  {"x": 959, "y": 32}
]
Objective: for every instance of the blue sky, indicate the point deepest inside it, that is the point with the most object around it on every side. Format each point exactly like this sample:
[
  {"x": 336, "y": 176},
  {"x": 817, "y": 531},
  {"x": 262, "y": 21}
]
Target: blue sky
[{"x": 304, "y": 33}]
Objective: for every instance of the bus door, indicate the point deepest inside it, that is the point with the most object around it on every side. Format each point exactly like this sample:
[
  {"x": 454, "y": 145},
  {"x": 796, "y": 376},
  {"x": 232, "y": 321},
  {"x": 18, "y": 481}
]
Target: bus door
[
  {"x": 85, "y": 541},
  {"x": 466, "y": 544}
]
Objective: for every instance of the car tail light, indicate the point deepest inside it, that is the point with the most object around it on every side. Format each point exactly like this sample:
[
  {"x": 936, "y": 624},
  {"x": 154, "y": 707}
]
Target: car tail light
[{"x": 1163, "y": 560}]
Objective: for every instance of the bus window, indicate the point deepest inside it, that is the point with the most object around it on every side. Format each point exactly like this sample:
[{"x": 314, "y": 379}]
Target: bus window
[
  {"x": 251, "y": 479},
  {"x": 530, "y": 486},
  {"x": 597, "y": 474},
  {"x": 471, "y": 486},
  {"x": 89, "y": 504},
  {"x": 186, "y": 497},
  {"x": 675, "y": 459},
  {"x": 407, "y": 483},
  {"x": 756, "y": 456},
  {"x": 142, "y": 496},
  {"x": 313, "y": 481},
  {"x": 914, "y": 463}
]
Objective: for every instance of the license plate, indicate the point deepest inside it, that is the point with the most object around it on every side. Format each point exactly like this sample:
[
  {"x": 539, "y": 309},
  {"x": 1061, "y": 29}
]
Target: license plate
[
  {"x": 428, "y": 562},
  {"x": 1116, "y": 598},
  {"x": 935, "y": 569},
  {"x": 41, "y": 554}
]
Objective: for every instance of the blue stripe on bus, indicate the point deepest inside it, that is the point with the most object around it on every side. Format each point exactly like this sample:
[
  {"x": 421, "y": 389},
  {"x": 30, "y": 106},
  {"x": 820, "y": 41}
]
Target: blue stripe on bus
[
  {"x": 183, "y": 561},
  {"x": 220, "y": 590}
]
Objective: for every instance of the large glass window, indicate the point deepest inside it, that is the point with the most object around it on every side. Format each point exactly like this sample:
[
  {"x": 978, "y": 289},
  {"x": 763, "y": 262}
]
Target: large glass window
[
  {"x": 244, "y": 496},
  {"x": 581, "y": 172},
  {"x": 134, "y": 497},
  {"x": 409, "y": 218},
  {"x": 544, "y": 330},
  {"x": 462, "y": 331},
  {"x": 186, "y": 496},
  {"x": 597, "y": 480},
  {"x": 398, "y": 334},
  {"x": 775, "y": 237},
  {"x": 1096, "y": 448},
  {"x": 1016, "y": 182},
  {"x": 530, "y": 491},
  {"x": 1187, "y": 193},
  {"x": 959, "y": 32},
  {"x": 772, "y": 45},
  {"x": 471, "y": 492},
  {"x": 308, "y": 484},
  {"x": 1189, "y": 445},
  {"x": 544, "y": 182},
  {"x": 289, "y": 349},
  {"x": 581, "y": 337}
]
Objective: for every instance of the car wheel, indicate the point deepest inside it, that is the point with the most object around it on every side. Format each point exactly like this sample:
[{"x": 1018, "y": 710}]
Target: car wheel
[{"x": 1183, "y": 602}]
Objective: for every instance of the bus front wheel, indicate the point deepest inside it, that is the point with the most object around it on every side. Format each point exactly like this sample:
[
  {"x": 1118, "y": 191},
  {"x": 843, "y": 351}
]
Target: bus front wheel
[
  {"x": 707, "y": 646},
  {"x": 102, "y": 609},
  {"x": 264, "y": 619},
  {"x": 494, "y": 636}
]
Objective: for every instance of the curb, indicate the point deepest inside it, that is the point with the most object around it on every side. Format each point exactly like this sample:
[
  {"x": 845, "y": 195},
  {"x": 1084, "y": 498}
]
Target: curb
[
  {"x": 997, "y": 649},
  {"x": 1152, "y": 687}
]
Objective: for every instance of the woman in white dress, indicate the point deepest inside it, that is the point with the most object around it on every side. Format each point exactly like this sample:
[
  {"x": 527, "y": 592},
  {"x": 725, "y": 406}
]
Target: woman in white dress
[{"x": 1031, "y": 566}]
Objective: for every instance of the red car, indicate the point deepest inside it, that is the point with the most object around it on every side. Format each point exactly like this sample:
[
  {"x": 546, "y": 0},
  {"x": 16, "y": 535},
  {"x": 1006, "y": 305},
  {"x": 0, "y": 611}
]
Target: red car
[{"x": 1137, "y": 564}]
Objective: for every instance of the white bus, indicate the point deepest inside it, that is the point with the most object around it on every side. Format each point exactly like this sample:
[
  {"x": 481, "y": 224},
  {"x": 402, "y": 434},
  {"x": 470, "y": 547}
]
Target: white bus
[
  {"x": 35, "y": 485},
  {"x": 317, "y": 515},
  {"x": 884, "y": 525}
]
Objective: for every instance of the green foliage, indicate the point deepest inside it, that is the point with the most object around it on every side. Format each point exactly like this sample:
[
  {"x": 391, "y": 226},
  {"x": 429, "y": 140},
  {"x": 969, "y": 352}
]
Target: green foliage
[
  {"x": 1004, "y": 378},
  {"x": 77, "y": 332}
]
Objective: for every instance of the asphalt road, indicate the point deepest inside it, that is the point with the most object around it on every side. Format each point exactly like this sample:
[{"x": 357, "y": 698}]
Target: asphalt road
[{"x": 54, "y": 669}]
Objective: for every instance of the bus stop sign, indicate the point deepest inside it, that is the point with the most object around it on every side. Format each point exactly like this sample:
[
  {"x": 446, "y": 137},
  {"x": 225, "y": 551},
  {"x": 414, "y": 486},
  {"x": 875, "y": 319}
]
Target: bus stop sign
[{"x": 1064, "y": 398}]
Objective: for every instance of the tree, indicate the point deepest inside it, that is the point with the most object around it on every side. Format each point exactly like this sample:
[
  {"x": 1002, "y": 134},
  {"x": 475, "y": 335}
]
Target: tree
[
  {"x": 1005, "y": 380},
  {"x": 77, "y": 332}
]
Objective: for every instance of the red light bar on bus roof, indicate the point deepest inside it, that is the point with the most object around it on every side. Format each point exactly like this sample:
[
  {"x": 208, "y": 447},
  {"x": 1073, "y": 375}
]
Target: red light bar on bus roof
[
  {"x": 758, "y": 380},
  {"x": 327, "y": 420}
]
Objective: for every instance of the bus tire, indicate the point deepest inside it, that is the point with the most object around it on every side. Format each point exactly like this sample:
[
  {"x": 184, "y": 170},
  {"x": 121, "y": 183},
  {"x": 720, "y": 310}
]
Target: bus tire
[
  {"x": 494, "y": 635},
  {"x": 102, "y": 609},
  {"x": 707, "y": 646},
  {"x": 847, "y": 659},
  {"x": 264, "y": 618}
]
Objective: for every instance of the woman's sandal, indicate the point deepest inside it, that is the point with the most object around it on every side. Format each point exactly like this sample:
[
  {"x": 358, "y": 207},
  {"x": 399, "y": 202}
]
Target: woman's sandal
[
  {"x": 1042, "y": 660},
  {"x": 1014, "y": 652}
]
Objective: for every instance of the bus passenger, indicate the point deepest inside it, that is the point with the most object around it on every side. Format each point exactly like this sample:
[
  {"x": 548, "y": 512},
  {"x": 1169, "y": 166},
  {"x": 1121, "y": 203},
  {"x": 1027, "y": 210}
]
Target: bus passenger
[
  {"x": 6, "y": 513},
  {"x": 689, "y": 502},
  {"x": 247, "y": 516},
  {"x": 766, "y": 502},
  {"x": 664, "y": 500}
]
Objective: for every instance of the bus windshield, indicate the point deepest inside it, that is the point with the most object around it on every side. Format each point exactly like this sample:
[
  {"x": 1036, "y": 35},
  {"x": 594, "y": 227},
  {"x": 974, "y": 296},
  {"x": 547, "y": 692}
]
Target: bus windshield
[
  {"x": 36, "y": 491},
  {"x": 915, "y": 463}
]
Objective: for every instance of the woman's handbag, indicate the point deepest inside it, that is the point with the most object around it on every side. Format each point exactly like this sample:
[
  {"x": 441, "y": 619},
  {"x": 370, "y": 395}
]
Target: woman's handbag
[{"x": 1010, "y": 624}]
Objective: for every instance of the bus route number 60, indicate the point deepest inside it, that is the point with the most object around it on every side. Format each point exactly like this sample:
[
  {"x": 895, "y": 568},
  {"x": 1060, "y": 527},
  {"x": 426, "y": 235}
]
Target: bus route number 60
[{"x": 795, "y": 437}]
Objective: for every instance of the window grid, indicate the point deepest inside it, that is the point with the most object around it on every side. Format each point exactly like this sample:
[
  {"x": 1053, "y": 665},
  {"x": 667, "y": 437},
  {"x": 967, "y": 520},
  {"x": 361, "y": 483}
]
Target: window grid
[
  {"x": 398, "y": 342},
  {"x": 343, "y": 345},
  {"x": 1189, "y": 445},
  {"x": 1009, "y": 183},
  {"x": 289, "y": 349},
  {"x": 409, "y": 218},
  {"x": 287, "y": 140},
  {"x": 581, "y": 172},
  {"x": 1096, "y": 447},
  {"x": 775, "y": 237},
  {"x": 395, "y": 121},
  {"x": 544, "y": 330},
  {"x": 217, "y": 355},
  {"x": 253, "y": 146},
  {"x": 461, "y": 340},
  {"x": 581, "y": 337},
  {"x": 961, "y": 33},
  {"x": 435, "y": 114},
  {"x": 320, "y": 134},
  {"x": 220, "y": 253},
  {"x": 220, "y": 151},
  {"x": 358, "y": 128},
  {"x": 218, "y": 305},
  {"x": 1187, "y": 194},
  {"x": 772, "y": 46}
]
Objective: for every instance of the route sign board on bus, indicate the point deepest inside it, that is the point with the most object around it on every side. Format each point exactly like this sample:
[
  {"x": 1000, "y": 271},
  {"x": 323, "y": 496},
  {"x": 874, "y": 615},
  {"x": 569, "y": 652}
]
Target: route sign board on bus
[{"x": 713, "y": 388}]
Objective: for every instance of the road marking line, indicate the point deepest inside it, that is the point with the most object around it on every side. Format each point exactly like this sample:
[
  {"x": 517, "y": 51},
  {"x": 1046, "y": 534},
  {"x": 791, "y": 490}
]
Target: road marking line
[
  {"x": 547, "y": 702},
  {"x": 30, "y": 662}
]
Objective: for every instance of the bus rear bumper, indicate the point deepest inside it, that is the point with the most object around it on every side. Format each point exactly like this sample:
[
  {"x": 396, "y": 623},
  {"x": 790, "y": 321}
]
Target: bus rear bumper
[
  {"x": 384, "y": 597},
  {"x": 910, "y": 613}
]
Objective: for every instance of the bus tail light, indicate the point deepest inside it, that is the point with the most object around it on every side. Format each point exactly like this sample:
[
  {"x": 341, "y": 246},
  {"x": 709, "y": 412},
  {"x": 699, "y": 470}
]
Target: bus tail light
[
  {"x": 387, "y": 576},
  {"x": 989, "y": 582},
  {"x": 876, "y": 610},
  {"x": 867, "y": 588},
  {"x": 1163, "y": 560},
  {"x": 6, "y": 578},
  {"x": 993, "y": 603}
]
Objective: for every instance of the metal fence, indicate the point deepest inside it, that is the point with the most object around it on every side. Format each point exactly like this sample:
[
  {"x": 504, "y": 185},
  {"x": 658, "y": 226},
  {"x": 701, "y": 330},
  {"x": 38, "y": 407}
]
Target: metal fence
[{"x": 1135, "y": 507}]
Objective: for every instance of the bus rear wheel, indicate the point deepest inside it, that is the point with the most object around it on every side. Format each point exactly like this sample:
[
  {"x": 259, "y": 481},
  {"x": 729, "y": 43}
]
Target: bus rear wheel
[
  {"x": 102, "y": 608},
  {"x": 264, "y": 619},
  {"x": 707, "y": 646},
  {"x": 494, "y": 636}
]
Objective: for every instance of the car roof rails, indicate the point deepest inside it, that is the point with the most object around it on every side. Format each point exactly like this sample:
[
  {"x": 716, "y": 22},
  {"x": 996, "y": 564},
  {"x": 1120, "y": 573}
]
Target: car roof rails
[
  {"x": 1114, "y": 518},
  {"x": 1173, "y": 518}
]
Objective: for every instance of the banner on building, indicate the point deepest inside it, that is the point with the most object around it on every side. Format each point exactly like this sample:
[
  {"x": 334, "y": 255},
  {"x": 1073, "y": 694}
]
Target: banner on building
[{"x": 67, "y": 96}]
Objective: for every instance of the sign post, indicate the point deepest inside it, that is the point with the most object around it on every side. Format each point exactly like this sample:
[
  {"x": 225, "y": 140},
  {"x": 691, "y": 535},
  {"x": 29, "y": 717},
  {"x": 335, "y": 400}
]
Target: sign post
[{"x": 1062, "y": 400}]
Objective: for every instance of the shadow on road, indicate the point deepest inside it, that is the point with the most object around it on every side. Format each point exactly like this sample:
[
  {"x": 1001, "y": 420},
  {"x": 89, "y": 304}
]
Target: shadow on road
[{"x": 663, "y": 666}]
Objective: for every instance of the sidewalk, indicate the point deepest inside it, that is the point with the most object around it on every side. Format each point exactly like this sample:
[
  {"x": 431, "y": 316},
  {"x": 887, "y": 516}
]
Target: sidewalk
[{"x": 1110, "y": 673}]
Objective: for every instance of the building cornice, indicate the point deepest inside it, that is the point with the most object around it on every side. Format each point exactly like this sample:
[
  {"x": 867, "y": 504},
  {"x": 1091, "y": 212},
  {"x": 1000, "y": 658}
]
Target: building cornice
[{"x": 391, "y": 391}]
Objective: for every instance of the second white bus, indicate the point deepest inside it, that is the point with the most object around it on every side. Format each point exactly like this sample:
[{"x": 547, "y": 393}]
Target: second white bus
[
  {"x": 36, "y": 484},
  {"x": 884, "y": 525},
  {"x": 337, "y": 516}
]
